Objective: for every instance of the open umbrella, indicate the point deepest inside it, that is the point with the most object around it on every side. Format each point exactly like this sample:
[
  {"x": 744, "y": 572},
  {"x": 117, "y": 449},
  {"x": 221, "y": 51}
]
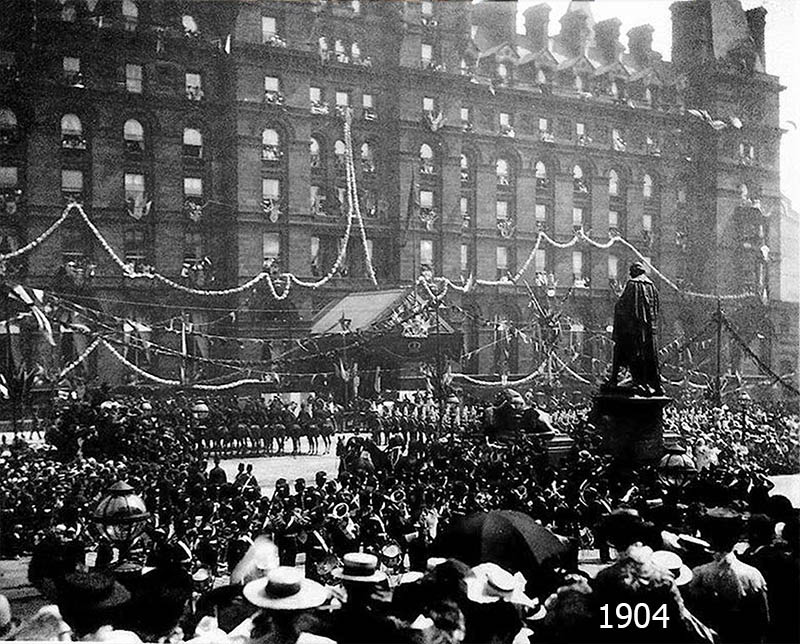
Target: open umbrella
[{"x": 510, "y": 539}]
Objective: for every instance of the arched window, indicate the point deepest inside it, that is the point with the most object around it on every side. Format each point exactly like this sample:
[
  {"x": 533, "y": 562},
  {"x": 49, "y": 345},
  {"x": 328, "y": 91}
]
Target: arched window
[
  {"x": 578, "y": 181},
  {"x": 189, "y": 24},
  {"x": 355, "y": 51},
  {"x": 613, "y": 183},
  {"x": 541, "y": 170},
  {"x": 426, "y": 165},
  {"x": 541, "y": 76},
  {"x": 134, "y": 136},
  {"x": 314, "y": 151},
  {"x": 502, "y": 71},
  {"x": 465, "y": 174},
  {"x": 339, "y": 151},
  {"x": 71, "y": 125},
  {"x": 502, "y": 173},
  {"x": 8, "y": 120},
  {"x": 367, "y": 162},
  {"x": 270, "y": 145},
  {"x": 192, "y": 143},
  {"x": 130, "y": 14},
  {"x": 647, "y": 186}
]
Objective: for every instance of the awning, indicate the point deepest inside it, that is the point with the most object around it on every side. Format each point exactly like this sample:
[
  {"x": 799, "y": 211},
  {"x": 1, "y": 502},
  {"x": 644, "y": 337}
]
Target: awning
[{"x": 363, "y": 310}]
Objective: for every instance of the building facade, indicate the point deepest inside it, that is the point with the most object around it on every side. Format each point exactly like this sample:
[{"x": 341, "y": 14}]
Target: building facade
[{"x": 205, "y": 140}]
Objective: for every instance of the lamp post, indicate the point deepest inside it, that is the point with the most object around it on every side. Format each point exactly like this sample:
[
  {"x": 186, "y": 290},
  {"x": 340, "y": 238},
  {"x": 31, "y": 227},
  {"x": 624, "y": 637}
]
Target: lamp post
[
  {"x": 121, "y": 516},
  {"x": 345, "y": 323},
  {"x": 200, "y": 413},
  {"x": 676, "y": 468}
]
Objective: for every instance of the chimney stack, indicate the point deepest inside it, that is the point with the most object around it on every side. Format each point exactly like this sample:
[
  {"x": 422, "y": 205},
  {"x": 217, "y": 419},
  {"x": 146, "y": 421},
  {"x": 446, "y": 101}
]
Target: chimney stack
[
  {"x": 756, "y": 21},
  {"x": 691, "y": 35},
  {"x": 606, "y": 40},
  {"x": 496, "y": 21},
  {"x": 537, "y": 26},
  {"x": 640, "y": 45},
  {"x": 575, "y": 32}
]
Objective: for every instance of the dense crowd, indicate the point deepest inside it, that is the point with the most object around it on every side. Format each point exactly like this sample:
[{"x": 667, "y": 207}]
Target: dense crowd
[{"x": 406, "y": 484}]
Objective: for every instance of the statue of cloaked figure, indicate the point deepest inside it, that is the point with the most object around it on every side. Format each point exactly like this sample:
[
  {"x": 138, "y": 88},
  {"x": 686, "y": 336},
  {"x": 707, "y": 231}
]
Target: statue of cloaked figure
[{"x": 635, "y": 324}]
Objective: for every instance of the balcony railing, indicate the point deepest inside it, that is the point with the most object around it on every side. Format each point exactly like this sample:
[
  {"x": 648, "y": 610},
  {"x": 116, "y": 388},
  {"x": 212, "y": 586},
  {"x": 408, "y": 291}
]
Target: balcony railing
[
  {"x": 73, "y": 79},
  {"x": 547, "y": 137},
  {"x": 73, "y": 142},
  {"x": 271, "y": 153},
  {"x": 369, "y": 114},
  {"x": 194, "y": 93},
  {"x": 319, "y": 107}
]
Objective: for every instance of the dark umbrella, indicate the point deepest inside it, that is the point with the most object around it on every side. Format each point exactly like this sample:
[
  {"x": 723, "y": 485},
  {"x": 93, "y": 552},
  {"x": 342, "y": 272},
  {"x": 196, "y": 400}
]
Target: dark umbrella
[{"x": 510, "y": 539}]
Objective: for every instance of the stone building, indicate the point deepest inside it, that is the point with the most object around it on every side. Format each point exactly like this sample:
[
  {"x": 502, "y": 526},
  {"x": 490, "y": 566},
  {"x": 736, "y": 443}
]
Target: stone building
[{"x": 194, "y": 130}]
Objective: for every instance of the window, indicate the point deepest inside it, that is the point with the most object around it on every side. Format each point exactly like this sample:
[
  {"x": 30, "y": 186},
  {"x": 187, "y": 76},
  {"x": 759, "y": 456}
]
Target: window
[
  {"x": 317, "y": 195},
  {"x": 72, "y": 133},
  {"x": 426, "y": 165},
  {"x": 617, "y": 141},
  {"x": 269, "y": 28},
  {"x": 681, "y": 196},
  {"x": 71, "y": 64},
  {"x": 426, "y": 199},
  {"x": 194, "y": 86},
  {"x": 577, "y": 217},
  {"x": 133, "y": 78},
  {"x": 270, "y": 145},
  {"x": 135, "y": 248},
  {"x": 338, "y": 152},
  {"x": 466, "y": 117},
  {"x": 647, "y": 222},
  {"x": 502, "y": 261},
  {"x": 540, "y": 260},
  {"x": 426, "y": 54},
  {"x": 315, "y": 94},
  {"x": 72, "y": 184},
  {"x": 8, "y": 177},
  {"x": 367, "y": 101},
  {"x": 578, "y": 182},
  {"x": 8, "y": 121},
  {"x": 271, "y": 189},
  {"x": 356, "y": 5},
  {"x": 647, "y": 186},
  {"x": 130, "y": 14},
  {"x": 428, "y": 104},
  {"x": 540, "y": 213},
  {"x": 544, "y": 125},
  {"x": 192, "y": 245},
  {"x": 192, "y": 187},
  {"x": 580, "y": 129},
  {"x": 648, "y": 96},
  {"x": 315, "y": 267},
  {"x": 426, "y": 252},
  {"x": 541, "y": 76},
  {"x": 314, "y": 151},
  {"x": 541, "y": 170},
  {"x": 464, "y": 168},
  {"x": 613, "y": 267},
  {"x": 577, "y": 265},
  {"x": 473, "y": 31},
  {"x": 272, "y": 84},
  {"x": 502, "y": 173},
  {"x": 192, "y": 143},
  {"x": 613, "y": 183},
  {"x": 68, "y": 12},
  {"x": 614, "y": 89},
  {"x": 613, "y": 219},
  {"x": 271, "y": 248},
  {"x": 464, "y": 258},
  {"x": 134, "y": 192},
  {"x": 463, "y": 207},
  {"x": 367, "y": 161},
  {"x": 342, "y": 99},
  {"x": 502, "y": 71},
  {"x": 501, "y": 210},
  {"x": 134, "y": 136},
  {"x": 505, "y": 119},
  {"x": 426, "y": 7},
  {"x": 189, "y": 25}
]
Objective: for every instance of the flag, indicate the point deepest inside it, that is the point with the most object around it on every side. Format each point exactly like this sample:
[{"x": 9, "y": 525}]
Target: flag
[{"x": 703, "y": 115}]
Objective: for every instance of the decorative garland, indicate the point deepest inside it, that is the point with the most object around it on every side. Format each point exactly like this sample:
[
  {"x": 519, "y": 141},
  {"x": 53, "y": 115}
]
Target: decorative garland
[
  {"x": 40, "y": 239},
  {"x": 86, "y": 353}
]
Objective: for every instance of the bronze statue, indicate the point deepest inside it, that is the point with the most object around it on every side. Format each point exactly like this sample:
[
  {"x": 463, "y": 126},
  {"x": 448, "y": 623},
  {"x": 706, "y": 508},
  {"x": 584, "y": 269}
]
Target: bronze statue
[{"x": 635, "y": 325}]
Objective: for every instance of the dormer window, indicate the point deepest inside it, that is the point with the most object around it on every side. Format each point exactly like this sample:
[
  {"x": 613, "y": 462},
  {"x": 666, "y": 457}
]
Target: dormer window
[
  {"x": 614, "y": 89},
  {"x": 428, "y": 105},
  {"x": 269, "y": 28},
  {"x": 426, "y": 8},
  {"x": 502, "y": 72},
  {"x": 426, "y": 54},
  {"x": 541, "y": 77},
  {"x": 579, "y": 82}
]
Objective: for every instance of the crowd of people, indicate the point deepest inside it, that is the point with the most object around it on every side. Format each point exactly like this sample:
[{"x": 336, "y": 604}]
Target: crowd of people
[{"x": 414, "y": 474}]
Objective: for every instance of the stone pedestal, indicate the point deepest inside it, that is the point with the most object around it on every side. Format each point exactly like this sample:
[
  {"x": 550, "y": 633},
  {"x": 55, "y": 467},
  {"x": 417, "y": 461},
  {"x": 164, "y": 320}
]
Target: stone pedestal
[
  {"x": 558, "y": 448},
  {"x": 631, "y": 426}
]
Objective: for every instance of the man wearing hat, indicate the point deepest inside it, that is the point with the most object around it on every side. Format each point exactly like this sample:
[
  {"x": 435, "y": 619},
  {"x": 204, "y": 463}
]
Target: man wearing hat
[
  {"x": 91, "y": 602},
  {"x": 727, "y": 594}
]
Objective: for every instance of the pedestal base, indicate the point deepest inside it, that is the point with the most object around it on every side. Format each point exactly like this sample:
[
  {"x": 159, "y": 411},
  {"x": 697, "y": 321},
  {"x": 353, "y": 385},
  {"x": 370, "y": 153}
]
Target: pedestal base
[
  {"x": 558, "y": 448},
  {"x": 632, "y": 426}
]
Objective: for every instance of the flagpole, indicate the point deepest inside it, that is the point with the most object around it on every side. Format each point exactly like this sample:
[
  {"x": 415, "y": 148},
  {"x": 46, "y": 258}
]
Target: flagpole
[{"x": 183, "y": 347}]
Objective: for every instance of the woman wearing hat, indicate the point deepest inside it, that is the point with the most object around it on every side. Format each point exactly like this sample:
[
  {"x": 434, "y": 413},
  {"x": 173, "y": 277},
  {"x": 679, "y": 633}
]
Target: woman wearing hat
[{"x": 285, "y": 599}]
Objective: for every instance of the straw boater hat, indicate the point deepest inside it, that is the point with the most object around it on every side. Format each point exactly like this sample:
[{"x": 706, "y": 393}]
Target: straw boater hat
[
  {"x": 490, "y": 583},
  {"x": 285, "y": 588},
  {"x": 672, "y": 562},
  {"x": 360, "y": 567}
]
